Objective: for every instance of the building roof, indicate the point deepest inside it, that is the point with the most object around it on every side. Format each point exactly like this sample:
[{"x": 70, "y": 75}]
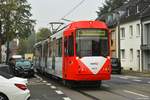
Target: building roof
[{"x": 131, "y": 10}]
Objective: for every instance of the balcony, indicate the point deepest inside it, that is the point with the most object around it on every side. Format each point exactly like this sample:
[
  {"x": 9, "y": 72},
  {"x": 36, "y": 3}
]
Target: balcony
[{"x": 145, "y": 47}]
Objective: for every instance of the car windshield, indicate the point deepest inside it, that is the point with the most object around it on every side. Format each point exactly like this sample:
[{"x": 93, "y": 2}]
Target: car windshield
[
  {"x": 92, "y": 42},
  {"x": 23, "y": 64},
  {"x": 6, "y": 75}
]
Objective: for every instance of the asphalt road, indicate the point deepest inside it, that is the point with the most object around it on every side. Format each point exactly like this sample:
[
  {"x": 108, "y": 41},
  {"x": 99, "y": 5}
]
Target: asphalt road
[{"x": 120, "y": 87}]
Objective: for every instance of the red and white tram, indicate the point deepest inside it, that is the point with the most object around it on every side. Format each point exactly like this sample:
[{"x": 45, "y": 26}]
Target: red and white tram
[{"x": 78, "y": 53}]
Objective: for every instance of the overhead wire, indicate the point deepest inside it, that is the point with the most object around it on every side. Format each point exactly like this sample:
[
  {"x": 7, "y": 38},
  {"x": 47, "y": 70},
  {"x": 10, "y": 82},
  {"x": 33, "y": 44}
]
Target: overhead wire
[{"x": 73, "y": 9}]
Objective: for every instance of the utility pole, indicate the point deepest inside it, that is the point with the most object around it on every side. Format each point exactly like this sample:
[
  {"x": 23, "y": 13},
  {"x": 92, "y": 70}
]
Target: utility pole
[
  {"x": 118, "y": 29},
  {"x": 0, "y": 38},
  {"x": 119, "y": 41}
]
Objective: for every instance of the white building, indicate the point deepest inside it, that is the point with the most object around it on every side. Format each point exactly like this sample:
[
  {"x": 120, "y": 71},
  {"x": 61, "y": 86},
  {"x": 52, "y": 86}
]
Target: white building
[
  {"x": 131, "y": 34},
  {"x": 145, "y": 47},
  {"x": 135, "y": 36},
  {"x": 130, "y": 42}
]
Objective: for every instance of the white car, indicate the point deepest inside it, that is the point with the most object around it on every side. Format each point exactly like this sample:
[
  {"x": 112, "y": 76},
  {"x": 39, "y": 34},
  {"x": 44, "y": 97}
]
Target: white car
[{"x": 13, "y": 88}]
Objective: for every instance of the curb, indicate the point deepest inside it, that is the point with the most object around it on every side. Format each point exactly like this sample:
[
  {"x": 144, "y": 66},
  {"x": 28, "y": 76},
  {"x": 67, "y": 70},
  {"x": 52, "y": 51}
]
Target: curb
[{"x": 136, "y": 73}]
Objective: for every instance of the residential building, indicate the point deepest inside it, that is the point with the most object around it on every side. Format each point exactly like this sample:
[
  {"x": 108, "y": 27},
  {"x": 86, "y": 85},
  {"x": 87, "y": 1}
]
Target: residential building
[
  {"x": 145, "y": 46},
  {"x": 131, "y": 23}
]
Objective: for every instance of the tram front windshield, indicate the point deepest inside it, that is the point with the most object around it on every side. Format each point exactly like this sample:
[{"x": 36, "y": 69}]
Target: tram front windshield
[{"x": 92, "y": 42}]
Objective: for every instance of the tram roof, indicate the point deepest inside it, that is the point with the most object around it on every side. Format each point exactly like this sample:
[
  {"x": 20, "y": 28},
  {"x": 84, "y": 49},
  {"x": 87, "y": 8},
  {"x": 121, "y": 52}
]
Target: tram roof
[
  {"x": 87, "y": 24},
  {"x": 80, "y": 25}
]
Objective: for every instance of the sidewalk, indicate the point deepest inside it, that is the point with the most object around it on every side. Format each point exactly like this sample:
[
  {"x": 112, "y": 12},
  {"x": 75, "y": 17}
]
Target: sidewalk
[{"x": 136, "y": 73}]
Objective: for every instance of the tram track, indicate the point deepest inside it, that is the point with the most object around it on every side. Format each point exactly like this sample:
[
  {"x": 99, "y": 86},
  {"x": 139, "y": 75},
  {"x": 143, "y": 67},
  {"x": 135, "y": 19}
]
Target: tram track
[
  {"x": 88, "y": 94},
  {"x": 91, "y": 92},
  {"x": 132, "y": 87}
]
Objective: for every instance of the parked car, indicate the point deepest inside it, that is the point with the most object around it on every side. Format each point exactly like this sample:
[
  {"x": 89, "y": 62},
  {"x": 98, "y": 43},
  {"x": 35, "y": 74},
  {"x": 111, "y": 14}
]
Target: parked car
[
  {"x": 4, "y": 68},
  {"x": 116, "y": 65},
  {"x": 24, "y": 68},
  {"x": 13, "y": 88}
]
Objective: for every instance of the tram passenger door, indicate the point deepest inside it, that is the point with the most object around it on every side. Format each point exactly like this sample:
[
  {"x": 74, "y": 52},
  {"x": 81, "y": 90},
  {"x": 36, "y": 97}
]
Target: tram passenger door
[
  {"x": 65, "y": 55},
  {"x": 53, "y": 54},
  {"x": 68, "y": 53}
]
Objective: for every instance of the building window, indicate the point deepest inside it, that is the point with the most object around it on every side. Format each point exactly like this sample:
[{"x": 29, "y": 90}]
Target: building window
[
  {"x": 113, "y": 35},
  {"x": 138, "y": 29},
  {"x": 137, "y": 9},
  {"x": 128, "y": 12},
  {"x": 122, "y": 33},
  {"x": 131, "y": 30},
  {"x": 131, "y": 54},
  {"x": 123, "y": 53}
]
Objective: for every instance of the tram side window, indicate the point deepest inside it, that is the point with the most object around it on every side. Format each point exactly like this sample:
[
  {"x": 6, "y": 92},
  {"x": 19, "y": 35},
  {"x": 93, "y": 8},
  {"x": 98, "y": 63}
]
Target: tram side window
[
  {"x": 65, "y": 46},
  {"x": 60, "y": 48},
  {"x": 57, "y": 48},
  {"x": 70, "y": 46}
]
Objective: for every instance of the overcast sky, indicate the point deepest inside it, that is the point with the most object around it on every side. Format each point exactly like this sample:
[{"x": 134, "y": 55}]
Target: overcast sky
[{"x": 45, "y": 11}]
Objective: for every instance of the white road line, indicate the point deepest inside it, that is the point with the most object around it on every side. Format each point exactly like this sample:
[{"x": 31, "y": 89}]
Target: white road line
[
  {"x": 124, "y": 77},
  {"x": 145, "y": 96},
  {"x": 137, "y": 80},
  {"x": 132, "y": 77},
  {"x": 38, "y": 77},
  {"x": 66, "y": 98},
  {"x": 105, "y": 85},
  {"x": 44, "y": 81},
  {"x": 48, "y": 84},
  {"x": 53, "y": 87},
  {"x": 59, "y": 92},
  {"x": 148, "y": 82}
]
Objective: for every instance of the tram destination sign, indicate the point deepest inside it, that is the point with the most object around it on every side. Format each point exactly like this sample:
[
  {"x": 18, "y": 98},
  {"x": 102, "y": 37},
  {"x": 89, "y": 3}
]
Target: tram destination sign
[{"x": 89, "y": 32}]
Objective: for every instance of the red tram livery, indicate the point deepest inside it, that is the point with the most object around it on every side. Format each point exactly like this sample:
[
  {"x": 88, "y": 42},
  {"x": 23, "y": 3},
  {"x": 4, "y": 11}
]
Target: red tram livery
[{"x": 78, "y": 53}]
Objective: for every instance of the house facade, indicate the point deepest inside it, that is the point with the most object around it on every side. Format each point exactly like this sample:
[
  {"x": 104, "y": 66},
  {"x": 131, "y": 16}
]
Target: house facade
[
  {"x": 145, "y": 46},
  {"x": 134, "y": 35},
  {"x": 131, "y": 34},
  {"x": 130, "y": 42}
]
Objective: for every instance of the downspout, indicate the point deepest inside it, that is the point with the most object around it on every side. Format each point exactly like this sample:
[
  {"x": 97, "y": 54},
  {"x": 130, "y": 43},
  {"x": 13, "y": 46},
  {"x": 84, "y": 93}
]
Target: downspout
[
  {"x": 141, "y": 43},
  {"x": 0, "y": 49}
]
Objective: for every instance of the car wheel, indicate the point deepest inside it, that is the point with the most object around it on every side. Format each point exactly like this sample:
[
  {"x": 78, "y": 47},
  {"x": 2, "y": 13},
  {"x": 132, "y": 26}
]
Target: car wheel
[{"x": 3, "y": 97}]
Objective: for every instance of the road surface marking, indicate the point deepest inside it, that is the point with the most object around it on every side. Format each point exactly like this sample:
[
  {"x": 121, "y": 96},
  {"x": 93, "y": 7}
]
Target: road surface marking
[
  {"x": 136, "y": 93},
  {"x": 59, "y": 92},
  {"x": 132, "y": 76},
  {"x": 38, "y": 77},
  {"x": 66, "y": 98},
  {"x": 105, "y": 85},
  {"x": 137, "y": 80},
  {"x": 143, "y": 98},
  {"x": 44, "y": 81},
  {"x": 53, "y": 87},
  {"x": 148, "y": 82},
  {"x": 49, "y": 84},
  {"x": 124, "y": 77}
]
